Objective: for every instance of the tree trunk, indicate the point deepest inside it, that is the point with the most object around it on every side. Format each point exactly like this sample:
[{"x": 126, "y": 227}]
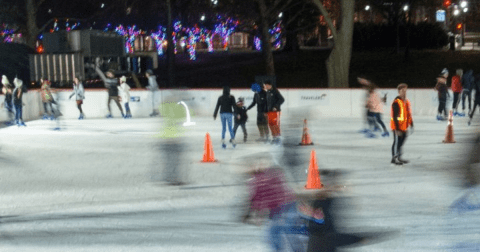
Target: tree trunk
[
  {"x": 338, "y": 64},
  {"x": 266, "y": 44},
  {"x": 32, "y": 29},
  {"x": 170, "y": 48}
]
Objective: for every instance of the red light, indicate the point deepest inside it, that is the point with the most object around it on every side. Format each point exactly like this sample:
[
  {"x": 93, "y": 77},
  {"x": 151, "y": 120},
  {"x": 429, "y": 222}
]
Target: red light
[
  {"x": 447, "y": 3},
  {"x": 459, "y": 26},
  {"x": 40, "y": 49}
]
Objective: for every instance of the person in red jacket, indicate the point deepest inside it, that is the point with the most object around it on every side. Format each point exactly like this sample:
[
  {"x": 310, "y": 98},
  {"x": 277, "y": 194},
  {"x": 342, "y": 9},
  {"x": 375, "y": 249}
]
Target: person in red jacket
[
  {"x": 457, "y": 90},
  {"x": 401, "y": 119}
]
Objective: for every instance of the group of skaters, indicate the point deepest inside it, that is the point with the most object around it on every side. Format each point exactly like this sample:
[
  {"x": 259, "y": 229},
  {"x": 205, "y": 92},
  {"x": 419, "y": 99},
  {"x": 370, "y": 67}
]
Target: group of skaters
[
  {"x": 118, "y": 91},
  {"x": 13, "y": 100},
  {"x": 268, "y": 100},
  {"x": 462, "y": 85}
]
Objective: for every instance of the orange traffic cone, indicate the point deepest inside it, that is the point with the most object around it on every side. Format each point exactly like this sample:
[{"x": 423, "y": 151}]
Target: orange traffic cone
[
  {"x": 208, "y": 155},
  {"x": 313, "y": 176},
  {"x": 449, "y": 134},
  {"x": 306, "y": 140}
]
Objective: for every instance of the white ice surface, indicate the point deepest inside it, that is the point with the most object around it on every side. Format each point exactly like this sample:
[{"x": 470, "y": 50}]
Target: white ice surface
[{"x": 96, "y": 186}]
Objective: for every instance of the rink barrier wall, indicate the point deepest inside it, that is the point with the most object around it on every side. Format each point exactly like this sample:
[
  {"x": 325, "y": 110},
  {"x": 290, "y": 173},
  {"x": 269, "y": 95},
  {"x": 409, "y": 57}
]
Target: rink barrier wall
[{"x": 304, "y": 103}]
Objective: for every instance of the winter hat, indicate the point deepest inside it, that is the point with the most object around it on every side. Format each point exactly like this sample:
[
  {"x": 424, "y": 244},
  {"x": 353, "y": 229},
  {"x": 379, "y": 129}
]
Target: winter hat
[
  {"x": 149, "y": 71},
  {"x": 240, "y": 101},
  {"x": 256, "y": 87},
  {"x": 123, "y": 79},
  {"x": 444, "y": 72},
  {"x": 5, "y": 80},
  {"x": 18, "y": 83}
]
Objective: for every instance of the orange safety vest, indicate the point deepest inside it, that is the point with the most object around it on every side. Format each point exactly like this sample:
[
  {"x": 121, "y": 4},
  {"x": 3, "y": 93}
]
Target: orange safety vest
[{"x": 404, "y": 117}]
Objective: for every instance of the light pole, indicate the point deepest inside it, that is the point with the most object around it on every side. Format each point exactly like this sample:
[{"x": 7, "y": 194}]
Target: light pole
[{"x": 369, "y": 10}]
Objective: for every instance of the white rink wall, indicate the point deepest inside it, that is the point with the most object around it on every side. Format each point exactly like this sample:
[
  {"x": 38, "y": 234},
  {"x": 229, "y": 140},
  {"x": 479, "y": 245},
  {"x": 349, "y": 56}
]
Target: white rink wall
[{"x": 308, "y": 103}]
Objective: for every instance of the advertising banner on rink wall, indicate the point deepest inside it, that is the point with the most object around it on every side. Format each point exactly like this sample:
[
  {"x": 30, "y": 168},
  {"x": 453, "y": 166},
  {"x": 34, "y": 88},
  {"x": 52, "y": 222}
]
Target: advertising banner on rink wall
[{"x": 302, "y": 103}]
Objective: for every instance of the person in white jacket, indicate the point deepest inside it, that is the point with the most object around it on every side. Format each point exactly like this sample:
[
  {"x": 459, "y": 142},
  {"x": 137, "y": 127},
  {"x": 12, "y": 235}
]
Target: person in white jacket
[
  {"x": 125, "y": 95},
  {"x": 79, "y": 93}
]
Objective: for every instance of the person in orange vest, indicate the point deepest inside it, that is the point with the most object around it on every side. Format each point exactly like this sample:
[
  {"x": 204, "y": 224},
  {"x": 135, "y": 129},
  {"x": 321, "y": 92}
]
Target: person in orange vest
[
  {"x": 457, "y": 90},
  {"x": 401, "y": 119}
]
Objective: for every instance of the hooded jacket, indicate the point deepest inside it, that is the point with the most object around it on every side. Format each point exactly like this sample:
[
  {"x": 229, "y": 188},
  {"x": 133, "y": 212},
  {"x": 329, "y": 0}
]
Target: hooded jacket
[
  {"x": 226, "y": 103},
  {"x": 274, "y": 100},
  {"x": 468, "y": 80}
]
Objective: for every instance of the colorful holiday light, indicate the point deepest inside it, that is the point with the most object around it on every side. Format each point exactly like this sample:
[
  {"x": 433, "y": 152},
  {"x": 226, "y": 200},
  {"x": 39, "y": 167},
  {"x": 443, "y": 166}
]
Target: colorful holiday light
[
  {"x": 258, "y": 43},
  {"x": 223, "y": 29}
]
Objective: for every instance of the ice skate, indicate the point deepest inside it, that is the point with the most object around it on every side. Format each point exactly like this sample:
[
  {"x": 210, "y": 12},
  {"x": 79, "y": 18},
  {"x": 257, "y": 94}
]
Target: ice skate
[
  {"x": 109, "y": 116},
  {"x": 385, "y": 134},
  {"x": 403, "y": 160},
  {"x": 396, "y": 161},
  {"x": 223, "y": 144},
  {"x": 234, "y": 144}
]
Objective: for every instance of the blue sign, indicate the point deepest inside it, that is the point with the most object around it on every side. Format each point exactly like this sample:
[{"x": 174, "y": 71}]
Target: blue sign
[{"x": 441, "y": 16}]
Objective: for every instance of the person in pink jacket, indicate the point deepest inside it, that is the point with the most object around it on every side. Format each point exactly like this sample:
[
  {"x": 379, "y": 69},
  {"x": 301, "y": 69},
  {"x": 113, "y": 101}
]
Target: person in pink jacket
[{"x": 375, "y": 109}]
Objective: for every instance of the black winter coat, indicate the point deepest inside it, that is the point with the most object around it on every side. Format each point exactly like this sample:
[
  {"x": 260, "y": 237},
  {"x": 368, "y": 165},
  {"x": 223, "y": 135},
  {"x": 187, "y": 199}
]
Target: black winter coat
[
  {"x": 242, "y": 112},
  {"x": 274, "y": 99},
  {"x": 259, "y": 99}
]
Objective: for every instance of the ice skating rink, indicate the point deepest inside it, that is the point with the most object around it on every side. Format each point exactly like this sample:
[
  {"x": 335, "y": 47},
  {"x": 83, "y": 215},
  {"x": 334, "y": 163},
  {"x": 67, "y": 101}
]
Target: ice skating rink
[{"x": 98, "y": 185}]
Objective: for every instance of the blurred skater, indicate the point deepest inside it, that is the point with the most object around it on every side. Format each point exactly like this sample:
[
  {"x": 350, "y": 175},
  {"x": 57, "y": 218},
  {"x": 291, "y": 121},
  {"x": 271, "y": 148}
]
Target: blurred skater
[
  {"x": 7, "y": 89},
  {"x": 240, "y": 118},
  {"x": 173, "y": 145},
  {"x": 125, "y": 94},
  {"x": 18, "y": 101},
  {"x": 153, "y": 87},
  {"x": 457, "y": 90},
  {"x": 270, "y": 195},
  {"x": 111, "y": 83},
  {"x": 400, "y": 121},
  {"x": 442, "y": 88},
  {"x": 468, "y": 80},
  {"x": 375, "y": 108},
  {"x": 226, "y": 104},
  {"x": 260, "y": 99},
  {"x": 476, "y": 100},
  {"x": 367, "y": 117},
  {"x": 47, "y": 100},
  {"x": 79, "y": 93},
  {"x": 274, "y": 101}
]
